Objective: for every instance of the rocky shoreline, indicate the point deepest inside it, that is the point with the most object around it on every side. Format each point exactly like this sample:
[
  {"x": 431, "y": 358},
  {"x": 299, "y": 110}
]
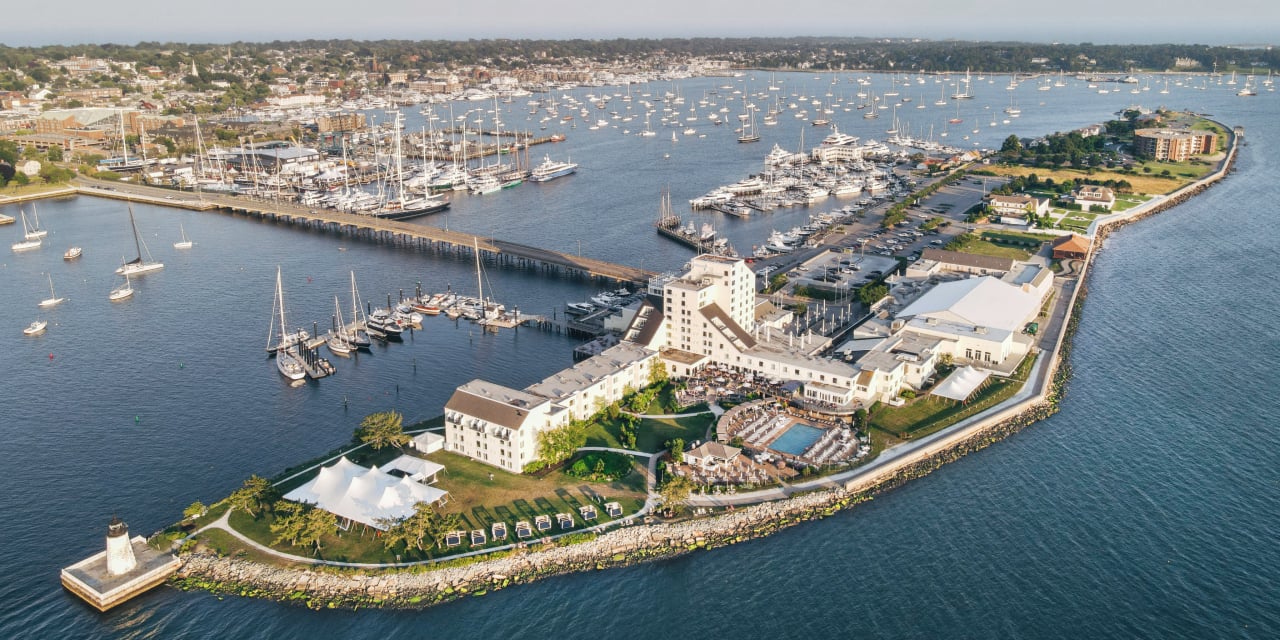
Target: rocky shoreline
[{"x": 330, "y": 587}]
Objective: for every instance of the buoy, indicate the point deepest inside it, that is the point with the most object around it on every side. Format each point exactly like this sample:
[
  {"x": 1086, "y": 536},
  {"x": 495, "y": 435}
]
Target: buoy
[
  {"x": 137, "y": 419},
  {"x": 51, "y": 356}
]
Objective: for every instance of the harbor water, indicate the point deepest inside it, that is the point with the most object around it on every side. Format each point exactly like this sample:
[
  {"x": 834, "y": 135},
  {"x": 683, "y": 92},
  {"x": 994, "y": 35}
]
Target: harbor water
[{"x": 1145, "y": 508}]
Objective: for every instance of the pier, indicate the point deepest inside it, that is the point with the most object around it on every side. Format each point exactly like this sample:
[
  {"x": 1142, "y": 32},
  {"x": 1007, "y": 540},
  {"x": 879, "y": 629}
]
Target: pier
[{"x": 404, "y": 234}]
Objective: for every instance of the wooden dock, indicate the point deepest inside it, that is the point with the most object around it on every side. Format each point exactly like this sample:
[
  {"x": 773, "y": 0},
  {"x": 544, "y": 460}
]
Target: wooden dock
[{"x": 405, "y": 234}]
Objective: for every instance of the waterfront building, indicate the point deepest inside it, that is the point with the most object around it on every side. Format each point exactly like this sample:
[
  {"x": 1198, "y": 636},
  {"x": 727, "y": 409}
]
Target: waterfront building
[
  {"x": 934, "y": 261},
  {"x": 1091, "y": 197},
  {"x": 1017, "y": 206},
  {"x": 1070, "y": 247},
  {"x": 498, "y": 425},
  {"x": 1173, "y": 145},
  {"x": 979, "y": 321}
]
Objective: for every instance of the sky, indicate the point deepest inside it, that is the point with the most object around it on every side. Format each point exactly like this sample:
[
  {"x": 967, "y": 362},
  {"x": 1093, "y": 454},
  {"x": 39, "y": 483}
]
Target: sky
[{"x": 1096, "y": 21}]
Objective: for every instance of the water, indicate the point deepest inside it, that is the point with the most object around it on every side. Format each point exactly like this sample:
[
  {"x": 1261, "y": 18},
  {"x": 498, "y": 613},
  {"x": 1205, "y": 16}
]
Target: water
[
  {"x": 796, "y": 439},
  {"x": 1146, "y": 508}
]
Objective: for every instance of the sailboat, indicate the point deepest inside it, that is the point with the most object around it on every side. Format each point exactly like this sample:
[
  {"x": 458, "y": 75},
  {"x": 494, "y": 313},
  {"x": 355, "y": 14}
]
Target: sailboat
[
  {"x": 53, "y": 300},
  {"x": 338, "y": 337},
  {"x": 748, "y": 123},
  {"x": 285, "y": 339},
  {"x": 121, "y": 292},
  {"x": 288, "y": 362},
  {"x": 35, "y": 231},
  {"x": 357, "y": 338},
  {"x": 138, "y": 265},
  {"x": 185, "y": 243},
  {"x": 28, "y": 244}
]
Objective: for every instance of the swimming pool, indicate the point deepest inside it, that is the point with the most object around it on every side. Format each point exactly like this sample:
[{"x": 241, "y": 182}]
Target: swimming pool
[{"x": 796, "y": 439}]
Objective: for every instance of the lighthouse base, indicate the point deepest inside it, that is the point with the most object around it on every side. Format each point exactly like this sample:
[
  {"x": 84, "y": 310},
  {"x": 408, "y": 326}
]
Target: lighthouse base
[{"x": 90, "y": 579}]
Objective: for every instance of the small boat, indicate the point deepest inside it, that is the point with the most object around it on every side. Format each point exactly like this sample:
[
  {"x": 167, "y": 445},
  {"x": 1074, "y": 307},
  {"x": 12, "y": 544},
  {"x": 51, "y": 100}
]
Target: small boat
[
  {"x": 34, "y": 231},
  {"x": 289, "y": 364},
  {"x": 53, "y": 300},
  {"x": 31, "y": 242},
  {"x": 72, "y": 253},
  {"x": 35, "y": 328},
  {"x": 121, "y": 292},
  {"x": 138, "y": 265},
  {"x": 185, "y": 243}
]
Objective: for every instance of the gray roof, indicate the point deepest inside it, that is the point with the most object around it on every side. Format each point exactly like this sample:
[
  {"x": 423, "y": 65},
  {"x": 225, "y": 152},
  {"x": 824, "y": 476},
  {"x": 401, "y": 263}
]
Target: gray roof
[
  {"x": 493, "y": 403},
  {"x": 990, "y": 263}
]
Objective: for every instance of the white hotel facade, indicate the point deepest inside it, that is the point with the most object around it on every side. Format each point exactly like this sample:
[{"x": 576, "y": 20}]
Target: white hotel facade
[{"x": 706, "y": 315}]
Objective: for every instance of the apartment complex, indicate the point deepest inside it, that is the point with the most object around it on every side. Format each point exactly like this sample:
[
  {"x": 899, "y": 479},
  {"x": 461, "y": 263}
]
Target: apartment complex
[{"x": 1173, "y": 145}]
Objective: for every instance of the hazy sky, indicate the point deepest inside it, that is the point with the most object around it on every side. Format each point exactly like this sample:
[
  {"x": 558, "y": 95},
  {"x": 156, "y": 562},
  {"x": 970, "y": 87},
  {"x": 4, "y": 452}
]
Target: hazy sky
[{"x": 1098, "y": 21}]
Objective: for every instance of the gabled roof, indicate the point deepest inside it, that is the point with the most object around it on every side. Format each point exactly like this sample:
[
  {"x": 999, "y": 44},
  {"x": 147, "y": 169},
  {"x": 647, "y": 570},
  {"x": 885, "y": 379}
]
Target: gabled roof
[
  {"x": 493, "y": 403},
  {"x": 1073, "y": 243},
  {"x": 721, "y": 321}
]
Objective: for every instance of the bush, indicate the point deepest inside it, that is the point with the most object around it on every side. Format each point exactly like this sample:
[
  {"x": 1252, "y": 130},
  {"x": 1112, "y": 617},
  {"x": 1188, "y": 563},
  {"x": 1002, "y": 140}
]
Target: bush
[{"x": 600, "y": 466}]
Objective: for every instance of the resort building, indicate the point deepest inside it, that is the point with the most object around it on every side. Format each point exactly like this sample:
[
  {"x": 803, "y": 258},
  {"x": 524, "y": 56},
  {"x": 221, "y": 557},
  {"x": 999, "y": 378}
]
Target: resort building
[
  {"x": 498, "y": 425},
  {"x": 1014, "y": 209},
  {"x": 1091, "y": 197},
  {"x": 979, "y": 321},
  {"x": 1173, "y": 145},
  {"x": 935, "y": 261}
]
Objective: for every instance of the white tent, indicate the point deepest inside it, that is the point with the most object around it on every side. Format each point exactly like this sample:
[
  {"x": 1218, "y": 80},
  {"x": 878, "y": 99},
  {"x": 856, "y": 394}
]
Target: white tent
[
  {"x": 416, "y": 468},
  {"x": 961, "y": 383},
  {"x": 367, "y": 496}
]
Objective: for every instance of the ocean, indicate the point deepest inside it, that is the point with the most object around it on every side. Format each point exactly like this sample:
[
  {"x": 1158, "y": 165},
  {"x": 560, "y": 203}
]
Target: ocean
[{"x": 1145, "y": 508}]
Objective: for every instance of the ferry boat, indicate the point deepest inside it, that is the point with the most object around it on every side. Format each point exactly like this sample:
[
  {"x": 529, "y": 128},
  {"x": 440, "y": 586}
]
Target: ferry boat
[{"x": 551, "y": 169}]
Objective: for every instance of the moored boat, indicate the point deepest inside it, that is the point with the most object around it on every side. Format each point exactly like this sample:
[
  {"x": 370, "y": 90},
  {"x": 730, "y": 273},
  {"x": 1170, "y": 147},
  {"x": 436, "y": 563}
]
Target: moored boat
[
  {"x": 35, "y": 328},
  {"x": 72, "y": 253}
]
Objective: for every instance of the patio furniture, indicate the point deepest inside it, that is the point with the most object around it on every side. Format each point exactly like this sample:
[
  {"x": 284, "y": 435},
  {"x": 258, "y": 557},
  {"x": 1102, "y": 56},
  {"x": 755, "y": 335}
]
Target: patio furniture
[
  {"x": 523, "y": 530},
  {"x": 499, "y": 530},
  {"x": 478, "y": 538}
]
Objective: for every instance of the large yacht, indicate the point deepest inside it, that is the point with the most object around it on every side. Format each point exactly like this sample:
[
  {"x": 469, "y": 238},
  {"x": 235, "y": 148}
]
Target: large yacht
[{"x": 551, "y": 169}]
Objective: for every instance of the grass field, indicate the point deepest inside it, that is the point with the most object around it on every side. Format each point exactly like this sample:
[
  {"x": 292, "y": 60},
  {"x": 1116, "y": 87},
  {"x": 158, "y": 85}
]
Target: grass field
[
  {"x": 1142, "y": 183},
  {"x": 12, "y": 190},
  {"x": 652, "y": 433},
  {"x": 480, "y": 495},
  {"x": 925, "y": 415},
  {"x": 971, "y": 243}
]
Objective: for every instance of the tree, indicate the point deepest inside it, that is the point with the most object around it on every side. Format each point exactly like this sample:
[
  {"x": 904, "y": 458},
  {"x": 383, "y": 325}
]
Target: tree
[
  {"x": 194, "y": 510},
  {"x": 674, "y": 492},
  {"x": 288, "y": 522},
  {"x": 316, "y": 523},
  {"x": 676, "y": 447},
  {"x": 555, "y": 445},
  {"x": 872, "y": 294},
  {"x": 55, "y": 154},
  {"x": 657, "y": 372},
  {"x": 382, "y": 429},
  {"x": 1012, "y": 146},
  {"x": 254, "y": 494}
]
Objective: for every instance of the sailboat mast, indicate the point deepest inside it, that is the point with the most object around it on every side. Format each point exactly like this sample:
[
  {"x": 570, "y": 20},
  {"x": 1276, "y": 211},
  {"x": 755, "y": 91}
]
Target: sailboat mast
[
  {"x": 479, "y": 280},
  {"x": 280, "y": 301},
  {"x": 137, "y": 244}
]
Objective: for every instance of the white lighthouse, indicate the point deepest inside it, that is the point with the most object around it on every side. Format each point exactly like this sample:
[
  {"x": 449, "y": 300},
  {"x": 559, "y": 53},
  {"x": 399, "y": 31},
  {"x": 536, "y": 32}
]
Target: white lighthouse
[{"x": 120, "y": 558}]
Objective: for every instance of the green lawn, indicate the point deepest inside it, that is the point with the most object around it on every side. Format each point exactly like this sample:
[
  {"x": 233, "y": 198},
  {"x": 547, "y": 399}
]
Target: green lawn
[
  {"x": 480, "y": 495},
  {"x": 652, "y": 433},
  {"x": 925, "y": 415},
  {"x": 1126, "y": 202},
  {"x": 970, "y": 243}
]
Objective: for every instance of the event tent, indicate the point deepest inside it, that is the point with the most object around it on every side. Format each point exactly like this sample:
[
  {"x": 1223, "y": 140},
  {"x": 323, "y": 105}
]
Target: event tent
[{"x": 369, "y": 496}]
